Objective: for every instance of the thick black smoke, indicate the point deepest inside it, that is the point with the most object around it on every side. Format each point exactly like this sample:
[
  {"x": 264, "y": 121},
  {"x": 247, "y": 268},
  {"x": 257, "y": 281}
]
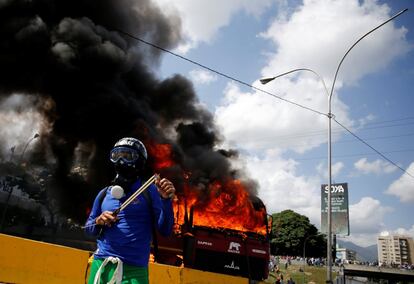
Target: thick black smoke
[{"x": 102, "y": 87}]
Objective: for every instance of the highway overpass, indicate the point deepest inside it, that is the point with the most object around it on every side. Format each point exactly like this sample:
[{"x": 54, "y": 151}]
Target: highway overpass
[{"x": 393, "y": 275}]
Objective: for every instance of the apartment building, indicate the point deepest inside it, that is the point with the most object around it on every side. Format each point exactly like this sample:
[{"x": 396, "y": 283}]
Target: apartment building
[
  {"x": 345, "y": 255},
  {"x": 395, "y": 249}
]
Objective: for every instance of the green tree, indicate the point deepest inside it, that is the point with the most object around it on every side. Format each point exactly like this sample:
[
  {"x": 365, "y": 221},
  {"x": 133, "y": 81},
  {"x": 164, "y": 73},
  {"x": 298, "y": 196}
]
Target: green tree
[{"x": 290, "y": 230}]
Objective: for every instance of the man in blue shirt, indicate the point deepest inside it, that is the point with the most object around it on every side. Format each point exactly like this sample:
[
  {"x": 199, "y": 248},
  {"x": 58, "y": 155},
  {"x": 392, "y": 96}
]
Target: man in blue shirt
[{"x": 124, "y": 239}]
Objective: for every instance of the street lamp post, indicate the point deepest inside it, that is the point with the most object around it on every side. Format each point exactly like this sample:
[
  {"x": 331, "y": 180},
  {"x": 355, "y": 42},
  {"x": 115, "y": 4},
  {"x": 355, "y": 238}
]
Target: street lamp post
[
  {"x": 330, "y": 116},
  {"x": 12, "y": 153},
  {"x": 25, "y": 147},
  {"x": 304, "y": 257},
  {"x": 329, "y": 213},
  {"x": 304, "y": 252},
  {"x": 9, "y": 189}
]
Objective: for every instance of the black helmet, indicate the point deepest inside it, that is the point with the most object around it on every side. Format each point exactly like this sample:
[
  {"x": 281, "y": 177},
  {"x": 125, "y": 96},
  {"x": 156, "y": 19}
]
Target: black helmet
[{"x": 129, "y": 156}]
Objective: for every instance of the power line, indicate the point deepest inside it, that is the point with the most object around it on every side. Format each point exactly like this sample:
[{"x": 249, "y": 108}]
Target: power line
[
  {"x": 387, "y": 126},
  {"x": 354, "y": 155},
  {"x": 375, "y": 150},
  {"x": 218, "y": 72},
  {"x": 392, "y": 120},
  {"x": 290, "y": 141},
  {"x": 380, "y": 137},
  {"x": 257, "y": 89},
  {"x": 303, "y": 134}
]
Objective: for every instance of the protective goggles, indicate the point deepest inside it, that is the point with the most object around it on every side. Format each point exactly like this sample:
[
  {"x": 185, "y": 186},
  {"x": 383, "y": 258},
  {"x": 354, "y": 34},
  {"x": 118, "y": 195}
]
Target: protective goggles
[{"x": 128, "y": 155}]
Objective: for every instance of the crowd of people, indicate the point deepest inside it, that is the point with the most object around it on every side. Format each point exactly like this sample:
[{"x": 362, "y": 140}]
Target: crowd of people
[
  {"x": 319, "y": 261},
  {"x": 274, "y": 263}
]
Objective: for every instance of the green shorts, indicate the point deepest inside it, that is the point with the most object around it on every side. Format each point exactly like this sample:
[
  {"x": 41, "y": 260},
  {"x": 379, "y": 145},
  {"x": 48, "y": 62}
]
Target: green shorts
[{"x": 131, "y": 274}]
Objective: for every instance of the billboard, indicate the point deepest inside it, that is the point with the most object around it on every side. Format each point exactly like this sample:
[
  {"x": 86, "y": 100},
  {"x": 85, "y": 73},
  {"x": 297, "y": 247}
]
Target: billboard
[{"x": 339, "y": 209}]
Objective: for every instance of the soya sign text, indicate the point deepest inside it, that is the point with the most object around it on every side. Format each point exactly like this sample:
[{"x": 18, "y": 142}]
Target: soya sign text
[{"x": 339, "y": 208}]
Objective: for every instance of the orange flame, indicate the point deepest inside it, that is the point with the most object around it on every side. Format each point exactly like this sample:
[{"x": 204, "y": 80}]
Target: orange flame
[
  {"x": 227, "y": 206},
  {"x": 223, "y": 205},
  {"x": 162, "y": 155}
]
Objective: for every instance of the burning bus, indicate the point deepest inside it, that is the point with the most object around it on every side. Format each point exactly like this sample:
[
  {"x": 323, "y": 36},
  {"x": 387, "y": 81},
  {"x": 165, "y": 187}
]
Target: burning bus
[
  {"x": 219, "y": 227},
  {"x": 224, "y": 241}
]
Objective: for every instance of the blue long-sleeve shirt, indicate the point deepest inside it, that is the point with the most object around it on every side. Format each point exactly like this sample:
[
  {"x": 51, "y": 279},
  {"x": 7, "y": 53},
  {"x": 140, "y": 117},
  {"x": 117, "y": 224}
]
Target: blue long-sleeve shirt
[{"x": 130, "y": 237}]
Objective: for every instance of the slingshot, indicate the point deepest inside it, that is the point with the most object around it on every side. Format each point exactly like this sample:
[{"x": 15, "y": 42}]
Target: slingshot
[{"x": 136, "y": 194}]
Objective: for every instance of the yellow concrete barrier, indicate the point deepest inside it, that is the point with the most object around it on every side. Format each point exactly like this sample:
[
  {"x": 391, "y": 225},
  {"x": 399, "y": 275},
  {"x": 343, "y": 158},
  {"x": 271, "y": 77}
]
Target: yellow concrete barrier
[
  {"x": 26, "y": 261},
  {"x": 31, "y": 262},
  {"x": 160, "y": 274}
]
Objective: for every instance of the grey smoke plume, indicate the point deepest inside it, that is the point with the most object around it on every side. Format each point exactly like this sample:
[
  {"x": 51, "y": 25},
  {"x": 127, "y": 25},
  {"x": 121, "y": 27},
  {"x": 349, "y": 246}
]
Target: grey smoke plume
[{"x": 102, "y": 87}]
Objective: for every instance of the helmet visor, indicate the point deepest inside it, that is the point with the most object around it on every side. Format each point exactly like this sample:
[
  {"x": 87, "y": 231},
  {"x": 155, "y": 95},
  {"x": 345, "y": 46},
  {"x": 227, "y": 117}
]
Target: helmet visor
[{"x": 128, "y": 155}]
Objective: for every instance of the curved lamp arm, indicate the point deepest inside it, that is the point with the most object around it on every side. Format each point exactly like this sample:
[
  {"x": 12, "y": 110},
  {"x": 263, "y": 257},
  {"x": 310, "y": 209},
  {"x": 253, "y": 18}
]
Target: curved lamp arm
[{"x": 361, "y": 38}]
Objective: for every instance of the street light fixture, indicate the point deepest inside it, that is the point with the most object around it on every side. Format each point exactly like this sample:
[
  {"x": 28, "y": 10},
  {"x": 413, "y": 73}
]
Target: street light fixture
[
  {"x": 329, "y": 115},
  {"x": 304, "y": 253},
  {"x": 25, "y": 146},
  {"x": 5, "y": 184},
  {"x": 329, "y": 213},
  {"x": 12, "y": 153}
]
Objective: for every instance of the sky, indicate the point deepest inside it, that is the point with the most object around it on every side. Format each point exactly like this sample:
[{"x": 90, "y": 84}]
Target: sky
[
  {"x": 280, "y": 129},
  {"x": 284, "y": 146}
]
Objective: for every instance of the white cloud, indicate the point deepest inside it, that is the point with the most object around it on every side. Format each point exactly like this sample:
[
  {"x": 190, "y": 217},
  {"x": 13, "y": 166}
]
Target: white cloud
[
  {"x": 367, "y": 215},
  {"x": 336, "y": 169},
  {"x": 405, "y": 232},
  {"x": 366, "y": 220},
  {"x": 400, "y": 231},
  {"x": 313, "y": 37},
  {"x": 202, "y": 76},
  {"x": 376, "y": 167},
  {"x": 282, "y": 188},
  {"x": 403, "y": 187},
  {"x": 254, "y": 121},
  {"x": 202, "y": 19},
  {"x": 367, "y": 119}
]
